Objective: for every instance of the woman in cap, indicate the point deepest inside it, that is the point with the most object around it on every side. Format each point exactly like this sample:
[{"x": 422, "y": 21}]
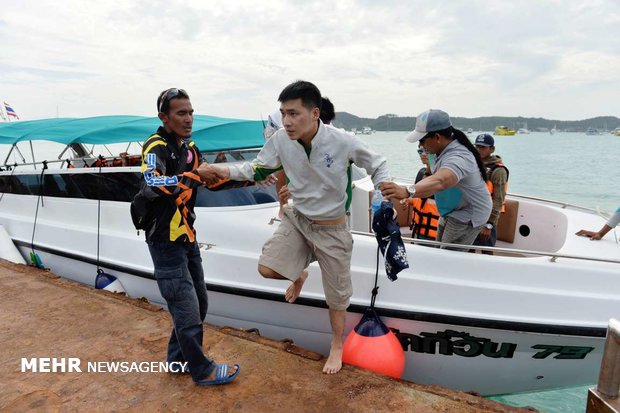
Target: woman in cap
[{"x": 457, "y": 181}]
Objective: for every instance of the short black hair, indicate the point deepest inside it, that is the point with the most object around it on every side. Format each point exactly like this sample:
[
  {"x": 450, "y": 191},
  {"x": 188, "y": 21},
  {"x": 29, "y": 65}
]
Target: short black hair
[
  {"x": 165, "y": 105},
  {"x": 327, "y": 111},
  {"x": 309, "y": 94}
]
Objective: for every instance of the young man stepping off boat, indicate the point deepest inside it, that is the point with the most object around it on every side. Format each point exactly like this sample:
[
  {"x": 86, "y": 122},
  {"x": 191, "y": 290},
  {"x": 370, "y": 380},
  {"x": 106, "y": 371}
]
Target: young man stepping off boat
[
  {"x": 173, "y": 168},
  {"x": 315, "y": 158}
]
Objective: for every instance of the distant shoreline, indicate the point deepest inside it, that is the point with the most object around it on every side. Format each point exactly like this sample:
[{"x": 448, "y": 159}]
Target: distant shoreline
[{"x": 392, "y": 122}]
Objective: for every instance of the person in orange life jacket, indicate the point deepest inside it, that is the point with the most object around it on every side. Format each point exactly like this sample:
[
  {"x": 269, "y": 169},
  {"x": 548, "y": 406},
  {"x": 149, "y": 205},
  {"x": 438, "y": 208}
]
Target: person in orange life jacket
[
  {"x": 424, "y": 214},
  {"x": 497, "y": 182},
  {"x": 173, "y": 169}
]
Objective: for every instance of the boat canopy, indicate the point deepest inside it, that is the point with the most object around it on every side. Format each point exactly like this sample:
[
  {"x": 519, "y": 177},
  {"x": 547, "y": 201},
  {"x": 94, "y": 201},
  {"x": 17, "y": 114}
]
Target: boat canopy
[{"x": 210, "y": 133}]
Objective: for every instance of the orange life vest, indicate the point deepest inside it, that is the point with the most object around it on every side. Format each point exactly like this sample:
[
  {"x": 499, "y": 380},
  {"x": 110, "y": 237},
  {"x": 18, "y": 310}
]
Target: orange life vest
[
  {"x": 490, "y": 170},
  {"x": 425, "y": 217}
]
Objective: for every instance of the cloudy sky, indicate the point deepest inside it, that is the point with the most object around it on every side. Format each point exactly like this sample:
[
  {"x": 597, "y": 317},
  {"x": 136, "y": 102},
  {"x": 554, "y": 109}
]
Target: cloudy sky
[{"x": 544, "y": 58}]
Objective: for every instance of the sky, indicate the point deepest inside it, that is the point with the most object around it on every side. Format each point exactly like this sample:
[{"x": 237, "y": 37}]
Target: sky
[{"x": 534, "y": 58}]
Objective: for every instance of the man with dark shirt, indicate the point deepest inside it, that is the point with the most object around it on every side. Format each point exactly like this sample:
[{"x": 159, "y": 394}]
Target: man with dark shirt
[{"x": 173, "y": 168}]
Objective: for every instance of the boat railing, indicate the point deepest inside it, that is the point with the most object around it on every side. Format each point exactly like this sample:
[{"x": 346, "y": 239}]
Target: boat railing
[
  {"x": 80, "y": 153},
  {"x": 558, "y": 203},
  {"x": 34, "y": 164},
  {"x": 501, "y": 251}
]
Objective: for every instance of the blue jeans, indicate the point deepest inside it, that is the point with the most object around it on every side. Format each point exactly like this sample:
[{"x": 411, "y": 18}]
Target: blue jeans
[{"x": 180, "y": 278}]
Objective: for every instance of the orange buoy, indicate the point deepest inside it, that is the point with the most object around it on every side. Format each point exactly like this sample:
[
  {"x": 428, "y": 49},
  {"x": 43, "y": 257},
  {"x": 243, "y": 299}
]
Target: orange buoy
[{"x": 373, "y": 346}]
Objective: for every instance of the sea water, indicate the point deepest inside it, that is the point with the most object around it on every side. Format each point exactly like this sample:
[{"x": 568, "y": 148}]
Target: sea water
[{"x": 568, "y": 167}]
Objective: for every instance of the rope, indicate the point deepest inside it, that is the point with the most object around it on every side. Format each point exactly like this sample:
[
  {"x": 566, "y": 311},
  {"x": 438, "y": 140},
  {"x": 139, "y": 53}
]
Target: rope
[
  {"x": 375, "y": 290},
  {"x": 39, "y": 198},
  {"x": 12, "y": 172},
  {"x": 99, "y": 270}
]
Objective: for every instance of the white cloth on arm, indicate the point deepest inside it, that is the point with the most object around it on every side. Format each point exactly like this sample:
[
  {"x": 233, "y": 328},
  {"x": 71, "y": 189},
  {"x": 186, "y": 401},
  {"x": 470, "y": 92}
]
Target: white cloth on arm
[{"x": 615, "y": 219}]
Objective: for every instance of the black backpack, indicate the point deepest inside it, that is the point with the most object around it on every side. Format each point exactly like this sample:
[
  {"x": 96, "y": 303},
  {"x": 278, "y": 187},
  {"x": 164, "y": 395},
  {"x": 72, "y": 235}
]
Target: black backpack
[{"x": 140, "y": 209}]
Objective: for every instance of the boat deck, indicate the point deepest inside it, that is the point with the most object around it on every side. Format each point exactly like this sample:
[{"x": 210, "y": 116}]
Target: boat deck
[{"x": 42, "y": 315}]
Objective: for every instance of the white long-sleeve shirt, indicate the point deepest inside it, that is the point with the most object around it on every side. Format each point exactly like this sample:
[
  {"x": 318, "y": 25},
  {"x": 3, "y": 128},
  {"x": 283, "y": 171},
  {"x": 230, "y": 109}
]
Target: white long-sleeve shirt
[
  {"x": 319, "y": 178},
  {"x": 615, "y": 219}
]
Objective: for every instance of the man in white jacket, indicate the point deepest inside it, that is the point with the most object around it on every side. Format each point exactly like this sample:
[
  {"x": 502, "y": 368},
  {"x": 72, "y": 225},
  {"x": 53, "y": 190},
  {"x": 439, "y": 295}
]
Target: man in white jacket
[{"x": 316, "y": 159}]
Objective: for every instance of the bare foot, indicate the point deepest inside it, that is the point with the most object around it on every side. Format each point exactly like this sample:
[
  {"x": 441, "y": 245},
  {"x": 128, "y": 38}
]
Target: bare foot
[
  {"x": 334, "y": 361},
  {"x": 293, "y": 290}
]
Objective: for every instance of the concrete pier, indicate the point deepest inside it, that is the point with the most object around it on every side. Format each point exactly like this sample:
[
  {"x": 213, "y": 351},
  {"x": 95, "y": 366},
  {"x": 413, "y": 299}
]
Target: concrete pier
[{"x": 44, "y": 316}]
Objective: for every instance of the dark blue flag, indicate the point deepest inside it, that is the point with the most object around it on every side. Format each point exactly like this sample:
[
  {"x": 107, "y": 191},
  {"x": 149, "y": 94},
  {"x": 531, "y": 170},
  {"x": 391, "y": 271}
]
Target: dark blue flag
[{"x": 390, "y": 242}]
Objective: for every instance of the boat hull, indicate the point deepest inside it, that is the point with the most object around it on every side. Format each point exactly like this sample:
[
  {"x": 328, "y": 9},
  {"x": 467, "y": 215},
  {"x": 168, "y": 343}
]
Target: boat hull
[{"x": 488, "y": 323}]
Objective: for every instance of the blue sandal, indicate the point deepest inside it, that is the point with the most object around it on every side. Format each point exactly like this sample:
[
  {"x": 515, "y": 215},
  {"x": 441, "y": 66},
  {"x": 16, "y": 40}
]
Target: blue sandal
[{"x": 221, "y": 376}]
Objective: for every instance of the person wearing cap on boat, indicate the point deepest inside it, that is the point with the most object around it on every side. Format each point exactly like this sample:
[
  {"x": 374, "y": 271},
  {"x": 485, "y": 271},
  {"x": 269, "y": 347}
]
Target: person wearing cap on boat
[
  {"x": 316, "y": 158},
  {"x": 611, "y": 224},
  {"x": 173, "y": 168},
  {"x": 457, "y": 181},
  {"x": 497, "y": 183}
]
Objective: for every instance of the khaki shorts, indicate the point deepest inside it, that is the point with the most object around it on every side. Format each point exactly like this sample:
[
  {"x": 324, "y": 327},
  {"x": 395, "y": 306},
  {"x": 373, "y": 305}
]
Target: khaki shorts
[{"x": 298, "y": 241}]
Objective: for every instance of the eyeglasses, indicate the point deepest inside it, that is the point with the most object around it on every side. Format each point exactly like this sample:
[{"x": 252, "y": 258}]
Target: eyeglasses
[{"x": 170, "y": 94}]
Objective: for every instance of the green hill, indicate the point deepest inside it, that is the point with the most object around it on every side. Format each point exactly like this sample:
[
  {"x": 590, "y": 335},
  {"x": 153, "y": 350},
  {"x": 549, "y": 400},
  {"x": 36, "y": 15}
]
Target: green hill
[{"x": 391, "y": 122}]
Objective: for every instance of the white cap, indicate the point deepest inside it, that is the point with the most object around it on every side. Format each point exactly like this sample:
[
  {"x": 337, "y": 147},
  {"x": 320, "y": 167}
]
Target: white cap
[{"x": 432, "y": 120}]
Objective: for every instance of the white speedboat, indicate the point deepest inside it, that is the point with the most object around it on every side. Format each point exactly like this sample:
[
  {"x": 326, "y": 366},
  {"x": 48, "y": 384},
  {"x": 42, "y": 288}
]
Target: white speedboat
[{"x": 532, "y": 316}]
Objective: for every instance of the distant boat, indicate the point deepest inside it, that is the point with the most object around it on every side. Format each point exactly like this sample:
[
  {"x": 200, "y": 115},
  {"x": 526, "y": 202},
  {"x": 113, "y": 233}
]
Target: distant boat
[
  {"x": 524, "y": 129},
  {"x": 616, "y": 131},
  {"x": 553, "y": 130},
  {"x": 591, "y": 131},
  {"x": 366, "y": 130},
  {"x": 470, "y": 130},
  {"x": 504, "y": 131}
]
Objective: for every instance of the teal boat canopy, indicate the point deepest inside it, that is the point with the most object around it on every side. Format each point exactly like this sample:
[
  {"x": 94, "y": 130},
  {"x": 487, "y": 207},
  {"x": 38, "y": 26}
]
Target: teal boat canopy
[{"x": 209, "y": 132}]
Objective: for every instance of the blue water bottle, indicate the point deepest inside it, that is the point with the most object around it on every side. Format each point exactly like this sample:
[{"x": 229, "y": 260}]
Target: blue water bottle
[{"x": 377, "y": 198}]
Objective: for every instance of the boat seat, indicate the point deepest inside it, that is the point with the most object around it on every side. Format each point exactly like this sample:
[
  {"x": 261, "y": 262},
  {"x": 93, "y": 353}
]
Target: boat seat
[{"x": 507, "y": 224}]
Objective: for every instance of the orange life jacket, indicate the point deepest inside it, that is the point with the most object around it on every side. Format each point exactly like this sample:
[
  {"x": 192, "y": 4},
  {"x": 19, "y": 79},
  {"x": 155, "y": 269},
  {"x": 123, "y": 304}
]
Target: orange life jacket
[
  {"x": 490, "y": 170},
  {"x": 425, "y": 217}
]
